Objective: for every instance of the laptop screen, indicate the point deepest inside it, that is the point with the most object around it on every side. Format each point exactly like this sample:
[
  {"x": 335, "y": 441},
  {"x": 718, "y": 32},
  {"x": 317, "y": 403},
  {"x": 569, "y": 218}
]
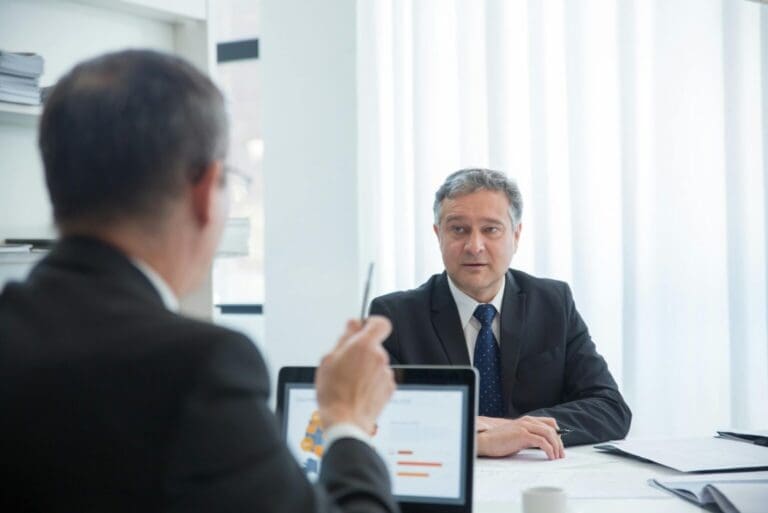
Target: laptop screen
[{"x": 425, "y": 434}]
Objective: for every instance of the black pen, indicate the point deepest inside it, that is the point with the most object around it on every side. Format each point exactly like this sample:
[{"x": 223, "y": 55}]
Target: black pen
[
  {"x": 366, "y": 291},
  {"x": 564, "y": 431}
]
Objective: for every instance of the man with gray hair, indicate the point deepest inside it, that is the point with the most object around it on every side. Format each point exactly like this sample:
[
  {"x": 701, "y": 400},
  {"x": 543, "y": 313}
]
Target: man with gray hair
[
  {"x": 540, "y": 374},
  {"x": 112, "y": 401}
]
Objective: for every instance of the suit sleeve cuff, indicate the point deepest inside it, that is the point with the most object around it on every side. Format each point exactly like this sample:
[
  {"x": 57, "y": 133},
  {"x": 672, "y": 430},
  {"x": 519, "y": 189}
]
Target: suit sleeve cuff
[{"x": 345, "y": 430}]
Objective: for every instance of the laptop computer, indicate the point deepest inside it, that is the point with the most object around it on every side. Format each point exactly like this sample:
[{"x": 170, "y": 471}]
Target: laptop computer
[{"x": 425, "y": 434}]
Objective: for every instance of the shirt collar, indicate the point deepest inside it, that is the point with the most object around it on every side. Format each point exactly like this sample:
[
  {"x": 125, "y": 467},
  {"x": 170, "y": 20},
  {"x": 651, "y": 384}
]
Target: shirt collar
[
  {"x": 467, "y": 304},
  {"x": 169, "y": 299}
]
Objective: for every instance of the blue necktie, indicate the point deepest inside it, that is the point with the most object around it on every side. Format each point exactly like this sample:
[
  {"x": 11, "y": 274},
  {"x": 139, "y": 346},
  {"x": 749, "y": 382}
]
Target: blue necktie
[{"x": 487, "y": 360}]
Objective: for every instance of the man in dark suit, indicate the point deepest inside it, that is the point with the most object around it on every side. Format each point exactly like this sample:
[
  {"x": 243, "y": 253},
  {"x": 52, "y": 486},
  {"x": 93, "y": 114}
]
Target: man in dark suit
[
  {"x": 539, "y": 369},
  {"x": 112, "y": 401}
]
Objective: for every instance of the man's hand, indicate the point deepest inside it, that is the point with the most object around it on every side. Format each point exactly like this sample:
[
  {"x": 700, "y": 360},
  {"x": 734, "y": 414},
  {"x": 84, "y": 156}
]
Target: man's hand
[
  {"x": 354, "y": 381},
  {"x": 503, "y": 437},
  {"x": 486, "y": 423}
]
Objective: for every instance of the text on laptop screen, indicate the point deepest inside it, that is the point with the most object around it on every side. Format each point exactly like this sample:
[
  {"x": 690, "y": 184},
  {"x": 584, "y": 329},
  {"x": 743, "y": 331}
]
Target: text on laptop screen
[{"x": 420, "y": 435}]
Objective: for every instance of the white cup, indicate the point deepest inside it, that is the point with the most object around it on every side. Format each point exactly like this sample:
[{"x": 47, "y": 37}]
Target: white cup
[{"x": 544, "y": 499}]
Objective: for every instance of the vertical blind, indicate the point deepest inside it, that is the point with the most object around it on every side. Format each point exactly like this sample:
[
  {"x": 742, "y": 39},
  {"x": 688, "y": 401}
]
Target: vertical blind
[{"x": 638, "y": 132}]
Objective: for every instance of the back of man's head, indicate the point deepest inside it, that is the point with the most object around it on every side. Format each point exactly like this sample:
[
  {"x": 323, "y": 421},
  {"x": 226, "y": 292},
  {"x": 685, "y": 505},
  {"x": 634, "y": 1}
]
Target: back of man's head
[{"x": 124, "y": 134}]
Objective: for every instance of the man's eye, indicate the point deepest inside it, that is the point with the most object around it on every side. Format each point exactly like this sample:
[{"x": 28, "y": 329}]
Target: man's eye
[
  {"x": 492, "y": 229},
  {"x": 457, "y": 229}
]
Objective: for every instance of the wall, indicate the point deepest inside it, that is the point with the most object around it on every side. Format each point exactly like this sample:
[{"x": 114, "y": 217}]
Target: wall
[{"x": 312, "y": 271}]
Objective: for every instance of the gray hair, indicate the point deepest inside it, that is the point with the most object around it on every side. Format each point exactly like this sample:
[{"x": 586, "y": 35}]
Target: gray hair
[
  {"x": 122, "y": 135},
  {"x": 467, "y": 181}
]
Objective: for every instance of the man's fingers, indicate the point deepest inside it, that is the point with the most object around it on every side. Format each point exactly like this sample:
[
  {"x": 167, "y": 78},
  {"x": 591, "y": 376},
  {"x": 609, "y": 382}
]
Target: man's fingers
[
  {"x": 546, "y": 427},
  {"x": 376, "y": 329},
  {"x": 352, "y": 327},
  {"x": 543, "y": 444},
  {"x": 548, "y": 421},
  {"x": 390, "y": 379},
  {"x": 559, "y": 448},
  {"x": 547, "y": 432},
  {"x": 355, "y": 380},
  {"x": 503, "y": 437}
]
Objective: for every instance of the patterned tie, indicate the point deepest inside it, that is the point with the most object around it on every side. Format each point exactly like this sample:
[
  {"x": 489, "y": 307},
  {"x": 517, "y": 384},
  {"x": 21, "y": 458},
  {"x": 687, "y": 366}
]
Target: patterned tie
[{"x": 488, "y": 363}]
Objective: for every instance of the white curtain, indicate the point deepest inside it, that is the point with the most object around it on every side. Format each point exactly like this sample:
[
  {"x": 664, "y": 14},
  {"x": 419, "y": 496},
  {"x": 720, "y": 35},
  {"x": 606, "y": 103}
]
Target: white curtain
[{"x": 638, "y": 132}]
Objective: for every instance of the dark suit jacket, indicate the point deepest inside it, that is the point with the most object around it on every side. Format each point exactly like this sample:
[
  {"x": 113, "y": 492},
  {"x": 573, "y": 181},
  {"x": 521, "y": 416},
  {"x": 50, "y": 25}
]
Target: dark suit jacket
[
  {"x": 549, "y": 364},
  {"x": 111, "y": 403}
]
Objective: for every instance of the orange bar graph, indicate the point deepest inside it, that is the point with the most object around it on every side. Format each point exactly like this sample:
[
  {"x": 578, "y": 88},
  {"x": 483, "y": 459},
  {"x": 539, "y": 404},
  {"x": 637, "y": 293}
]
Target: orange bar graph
[
  {"x": 412, "y": 474},
  {"x": 420, "y": 463}
]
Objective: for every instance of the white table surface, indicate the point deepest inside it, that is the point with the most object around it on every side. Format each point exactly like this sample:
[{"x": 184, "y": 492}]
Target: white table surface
[{"x": 595, "y": 482}]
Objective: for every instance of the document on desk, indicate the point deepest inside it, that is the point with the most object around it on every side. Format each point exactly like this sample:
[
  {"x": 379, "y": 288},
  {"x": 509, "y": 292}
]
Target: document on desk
[
  {"x": 742, "y": 492},
  {"x": 572, "y": 460},
  {"x": 693, "y": 454},
  {"x": 583, "y": 477}
]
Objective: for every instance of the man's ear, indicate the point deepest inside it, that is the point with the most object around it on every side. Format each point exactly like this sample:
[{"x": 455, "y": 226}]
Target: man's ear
[
  {"x": 437, "y": 230},
  {"x": 205, "y": 193},
  {"x": 516, "y": 237}
]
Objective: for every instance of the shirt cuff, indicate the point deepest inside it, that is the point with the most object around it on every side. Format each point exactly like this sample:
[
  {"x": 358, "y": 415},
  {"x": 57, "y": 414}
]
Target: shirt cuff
[{"x": 345, "y": 430}]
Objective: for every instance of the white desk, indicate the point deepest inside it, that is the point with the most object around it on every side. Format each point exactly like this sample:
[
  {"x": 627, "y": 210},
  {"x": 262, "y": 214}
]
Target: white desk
[{"x": 595, "y": 482}]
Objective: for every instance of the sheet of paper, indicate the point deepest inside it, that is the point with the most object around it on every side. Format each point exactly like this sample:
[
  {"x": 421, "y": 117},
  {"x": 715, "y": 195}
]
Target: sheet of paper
[
  {"x": 696, "y": 454},
  {"x": 507, "y": 484},
  {"x": 583, "y": 475},
  {"x": 573, "y": 459}
]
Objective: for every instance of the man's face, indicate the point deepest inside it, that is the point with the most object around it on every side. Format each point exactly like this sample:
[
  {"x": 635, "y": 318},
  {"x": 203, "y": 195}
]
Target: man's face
[{"x": 477, "y": 241}]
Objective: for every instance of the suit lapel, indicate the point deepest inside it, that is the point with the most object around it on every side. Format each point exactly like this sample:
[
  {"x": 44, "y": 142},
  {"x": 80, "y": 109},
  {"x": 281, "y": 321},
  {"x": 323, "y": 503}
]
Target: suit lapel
[
  {"x": 446, "y": 322},
  {"x": 512, "y": 326}
]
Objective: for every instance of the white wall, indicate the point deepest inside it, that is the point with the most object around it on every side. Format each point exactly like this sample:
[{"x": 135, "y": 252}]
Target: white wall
[{"x": 312, "y": 271}]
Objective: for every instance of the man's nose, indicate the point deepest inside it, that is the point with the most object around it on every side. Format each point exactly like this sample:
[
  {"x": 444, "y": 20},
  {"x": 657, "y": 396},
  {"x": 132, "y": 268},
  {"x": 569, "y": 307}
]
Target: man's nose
[{"x": 475, "y": 243}]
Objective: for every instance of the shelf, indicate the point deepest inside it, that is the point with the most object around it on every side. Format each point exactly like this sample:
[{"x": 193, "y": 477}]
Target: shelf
[
  {"x": 16, "y": 266},
  {"x": 177, "y": 11},
  {"x": 180, "y": 27},
  {"x": 26, "y": 115},
  {"x": 26, "y": 257}
]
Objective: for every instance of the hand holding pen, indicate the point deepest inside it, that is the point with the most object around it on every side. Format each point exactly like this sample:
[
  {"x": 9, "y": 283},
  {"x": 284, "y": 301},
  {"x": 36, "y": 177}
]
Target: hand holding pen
[{"x": 366, "y": 291}]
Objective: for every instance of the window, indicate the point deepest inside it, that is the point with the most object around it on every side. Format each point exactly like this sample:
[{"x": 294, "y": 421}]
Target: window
[{"x": 238, "y": 271}]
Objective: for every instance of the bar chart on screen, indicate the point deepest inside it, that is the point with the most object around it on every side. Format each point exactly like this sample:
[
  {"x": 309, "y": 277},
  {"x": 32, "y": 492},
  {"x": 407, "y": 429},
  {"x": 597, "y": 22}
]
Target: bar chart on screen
[{"x": 420, "y": 435}]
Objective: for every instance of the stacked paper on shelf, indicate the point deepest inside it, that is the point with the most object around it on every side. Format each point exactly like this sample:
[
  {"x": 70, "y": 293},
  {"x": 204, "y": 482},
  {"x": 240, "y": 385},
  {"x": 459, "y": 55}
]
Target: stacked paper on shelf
[
  {"x": 15, "y": 248},
  {"x": 20, "y": 77}
]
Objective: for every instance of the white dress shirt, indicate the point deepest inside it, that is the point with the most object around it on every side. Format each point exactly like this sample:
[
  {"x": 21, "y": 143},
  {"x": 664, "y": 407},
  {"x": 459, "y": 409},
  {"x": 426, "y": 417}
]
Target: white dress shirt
[
  {"x": 169, "y": 299},
  {"x": 345, "y": 430},
  {"x": 469, "y": 323}
]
